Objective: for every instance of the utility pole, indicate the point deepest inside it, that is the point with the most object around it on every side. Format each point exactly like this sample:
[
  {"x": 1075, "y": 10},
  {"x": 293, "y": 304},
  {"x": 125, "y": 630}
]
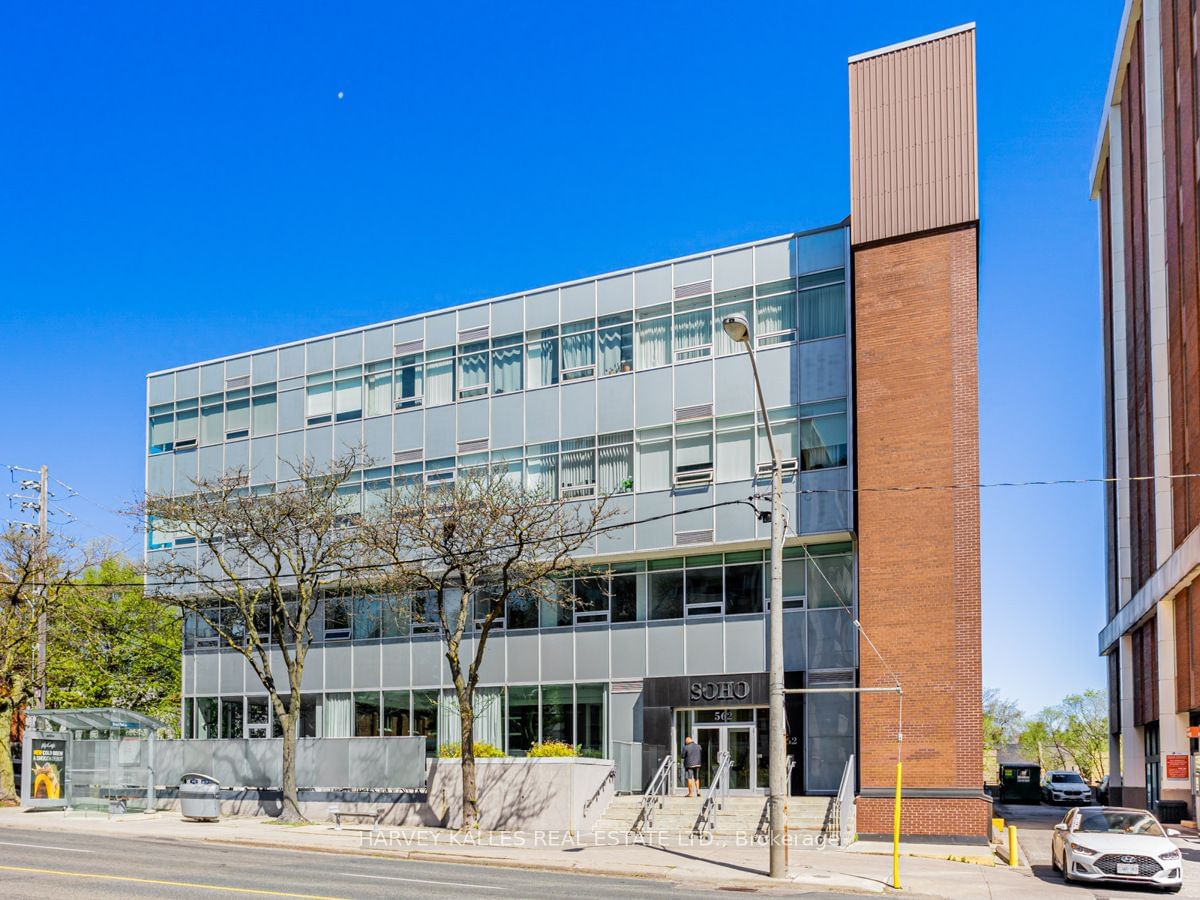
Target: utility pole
[{"x": 43, "y": 556}]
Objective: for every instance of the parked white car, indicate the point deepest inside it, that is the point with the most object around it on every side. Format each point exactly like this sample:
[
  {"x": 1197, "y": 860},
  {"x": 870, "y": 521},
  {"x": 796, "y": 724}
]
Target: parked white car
[
  {"x": 1065, "y": 787},
  {"x": 1108, "y": 843}
]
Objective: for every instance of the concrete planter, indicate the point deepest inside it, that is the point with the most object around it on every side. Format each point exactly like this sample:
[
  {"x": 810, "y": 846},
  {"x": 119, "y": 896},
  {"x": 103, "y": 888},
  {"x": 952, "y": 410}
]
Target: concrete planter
[{"x": 522, "y": 794}]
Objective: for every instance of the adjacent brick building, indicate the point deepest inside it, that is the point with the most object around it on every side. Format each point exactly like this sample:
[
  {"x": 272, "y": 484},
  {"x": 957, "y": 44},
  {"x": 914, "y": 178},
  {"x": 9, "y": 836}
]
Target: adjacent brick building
[{"x": 1144, "y": 180}]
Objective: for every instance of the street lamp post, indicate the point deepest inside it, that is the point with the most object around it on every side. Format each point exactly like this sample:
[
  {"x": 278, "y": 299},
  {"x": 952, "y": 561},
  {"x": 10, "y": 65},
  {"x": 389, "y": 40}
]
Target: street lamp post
[{"x": 738, "y": 330}]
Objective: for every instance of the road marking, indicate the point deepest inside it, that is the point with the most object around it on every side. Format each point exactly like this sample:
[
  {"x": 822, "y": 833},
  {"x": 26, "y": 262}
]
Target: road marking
[
  {"x": 46, "y": 847},
  {"x": 477, "y": 887},
  {"x": 183, "y": 884}
]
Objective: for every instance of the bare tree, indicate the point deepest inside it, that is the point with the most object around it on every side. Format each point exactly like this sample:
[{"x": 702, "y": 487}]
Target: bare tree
[
  {"x": 251, "y": 567},
  {"x": 34, "y": 575},
  {"x": 462, "y": 553}
]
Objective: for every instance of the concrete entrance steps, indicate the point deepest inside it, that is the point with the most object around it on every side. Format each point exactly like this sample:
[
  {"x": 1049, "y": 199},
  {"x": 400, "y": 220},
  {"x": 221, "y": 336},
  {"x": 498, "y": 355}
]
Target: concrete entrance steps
[{"x": 747, "y": 815}]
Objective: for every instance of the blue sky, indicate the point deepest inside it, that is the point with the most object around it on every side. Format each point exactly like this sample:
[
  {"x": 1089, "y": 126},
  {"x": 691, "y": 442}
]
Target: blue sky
[{"x": 178, "y": 184}]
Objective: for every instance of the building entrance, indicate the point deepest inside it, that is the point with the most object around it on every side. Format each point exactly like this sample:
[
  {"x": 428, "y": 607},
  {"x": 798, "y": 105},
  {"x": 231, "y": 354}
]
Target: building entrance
[{"x": 740, "y": 732}]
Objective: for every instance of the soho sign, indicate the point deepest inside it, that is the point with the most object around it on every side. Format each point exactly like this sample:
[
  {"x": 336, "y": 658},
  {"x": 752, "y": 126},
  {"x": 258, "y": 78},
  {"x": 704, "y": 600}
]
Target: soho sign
[{"x": 720, "y": 690}]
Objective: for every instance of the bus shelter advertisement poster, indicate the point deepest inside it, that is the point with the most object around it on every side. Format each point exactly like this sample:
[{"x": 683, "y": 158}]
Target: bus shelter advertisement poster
[{"x": 49, "y": 762}]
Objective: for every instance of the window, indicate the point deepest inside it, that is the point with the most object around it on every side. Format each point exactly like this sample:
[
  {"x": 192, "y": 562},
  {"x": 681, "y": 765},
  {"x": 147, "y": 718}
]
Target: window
[
  {"x": 693, "y": 329},
  {"x": 744, "y": 587},
  {"x": 397, "y": 718},
  {"x": 257, "y": 717},
  {"x": 795, "y": 592},
  {"x": 783, "y": 428},
  {"x": 616, "y": 344},
  {"x": 368, "y": 615},
  {"x": 654, "y": 459},
  {"x": 473, "y": 370},
  {"x": 522, "y": 611},
  {"x": 775, "y": 317},
  {"x": 162, "y": 433},
  {"x": 206, "y": 717},
  {"x": 424, "y": 718},
  {"x": 187, "y": 422},
  {"x": 615, "y": 462},
  {"x": 396, "y": 616},
  {"x": 379, "y": 388},
  {"x": 653, "y": 338},
  {"x": 338, "y": 616},
  {"x": 624, "y": 588},
  {"x": 506, "y": 364},
  {"x": 725, "y": 345},
  {"x": 823, "y": 435},
  {"x": 822, "y": 312},
  {"x": 231, "y": 718},
  {"x": 831, "y": 576},
  {"x": 410, "y": 381},
  {"x": 705, "y": 585},
  {"x": 579, "y": 350},
  {"x": 578, "y": 468},
  {"x": 425, "y": 612},
  {"x": 735, "y": 448},
  {"x": 542, "y": 352},
  {"x": 591, "y": 599},
  {"x": 590, "y": 719},
  {"x": 212, "y": 422},
  {"x": 666, "y": 589},
  {"x": 336, "y": 716},
  {"x": 263, "y": 415},
  {"x": 318, "y": 402},
  {"x": 348, "y": 399},
  {"x": 510, "y": 461},
  {"x": 522, "y": 727},
  {"x": 237, "y": 419},
  {"x": 541, "y": 468},
  {"x": 557, "y": 713},
  {"x": 693, "y": 453},
  {"x": 366, "y": 714},
  {"x": 439, "y": 377}
]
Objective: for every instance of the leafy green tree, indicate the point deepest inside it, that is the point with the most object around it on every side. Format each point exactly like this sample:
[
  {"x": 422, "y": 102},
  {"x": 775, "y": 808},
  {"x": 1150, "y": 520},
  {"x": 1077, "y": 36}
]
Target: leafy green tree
[
  {"x": 1002, "y": 723},
  {"x": 111, "y": 645},
  {"x": 1072, "y": 734}
]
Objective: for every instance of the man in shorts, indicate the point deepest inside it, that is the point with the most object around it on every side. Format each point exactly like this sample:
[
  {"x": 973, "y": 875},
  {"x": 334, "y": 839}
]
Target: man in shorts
[{"x": 691, "y": 765}]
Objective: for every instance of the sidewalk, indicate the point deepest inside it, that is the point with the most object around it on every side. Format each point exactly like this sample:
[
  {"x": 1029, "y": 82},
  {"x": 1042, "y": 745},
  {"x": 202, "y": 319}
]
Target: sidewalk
[{"x": 714, "y": 864}]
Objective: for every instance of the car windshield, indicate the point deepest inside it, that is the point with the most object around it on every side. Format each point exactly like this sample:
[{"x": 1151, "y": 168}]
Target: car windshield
[
  {"x": 1113, "y": 821},
  {"x": 1066, "y": 778}
]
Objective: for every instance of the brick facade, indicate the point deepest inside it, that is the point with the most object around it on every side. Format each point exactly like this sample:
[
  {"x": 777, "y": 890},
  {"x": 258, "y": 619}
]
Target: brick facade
[{"x": 919, "y": 591}]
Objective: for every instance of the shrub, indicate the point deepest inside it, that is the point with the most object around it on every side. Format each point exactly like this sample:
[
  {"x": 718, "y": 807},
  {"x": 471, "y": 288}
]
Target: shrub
[
  {"x": 553, "y": 748},
  {"x": 483, "y": 750}
]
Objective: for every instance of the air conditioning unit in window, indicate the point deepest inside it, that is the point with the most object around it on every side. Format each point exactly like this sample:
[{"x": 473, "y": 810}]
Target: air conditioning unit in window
[
  {"x": 693, "y": 477},
  {"x": 763, "y": 469}
]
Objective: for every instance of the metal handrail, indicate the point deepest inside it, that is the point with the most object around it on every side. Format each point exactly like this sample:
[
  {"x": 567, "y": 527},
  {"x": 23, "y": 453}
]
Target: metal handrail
[
  {"x": 720, "y": 783},
  {"x": 652, "y": 799},
  {"x": 843, "y": 818},
  {"x": 787, "y": 778}
]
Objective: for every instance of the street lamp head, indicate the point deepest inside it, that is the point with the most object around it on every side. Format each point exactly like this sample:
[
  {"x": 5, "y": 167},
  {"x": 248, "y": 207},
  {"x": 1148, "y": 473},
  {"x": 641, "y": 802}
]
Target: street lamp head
[{"x": 737, "y": 328}]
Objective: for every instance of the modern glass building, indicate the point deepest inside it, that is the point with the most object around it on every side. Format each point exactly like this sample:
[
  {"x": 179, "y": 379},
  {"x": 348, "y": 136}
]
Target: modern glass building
[{"x": 624, "y": 385}]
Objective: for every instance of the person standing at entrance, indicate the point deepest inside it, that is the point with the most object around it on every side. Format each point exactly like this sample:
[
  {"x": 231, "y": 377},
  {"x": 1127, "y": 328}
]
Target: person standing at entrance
[{"x": 691, "y": 765}]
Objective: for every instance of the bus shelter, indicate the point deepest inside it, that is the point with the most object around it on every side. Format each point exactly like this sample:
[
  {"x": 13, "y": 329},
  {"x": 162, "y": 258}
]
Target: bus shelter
[{"x": 98, "y": 760}]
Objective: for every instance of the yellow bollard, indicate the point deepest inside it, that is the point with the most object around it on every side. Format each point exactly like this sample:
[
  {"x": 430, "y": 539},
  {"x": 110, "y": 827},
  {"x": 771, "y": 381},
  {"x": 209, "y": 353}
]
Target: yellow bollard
[
  {"x": 896, "y": 833},
  {"x": 1013, "y": 852}
]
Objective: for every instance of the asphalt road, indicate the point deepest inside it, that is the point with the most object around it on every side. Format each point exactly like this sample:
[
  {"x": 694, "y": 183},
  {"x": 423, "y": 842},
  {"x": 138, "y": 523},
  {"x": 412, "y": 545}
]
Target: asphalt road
[
  {"x": 1035, "y": 825},
  {"x": 40, "y": 864}
]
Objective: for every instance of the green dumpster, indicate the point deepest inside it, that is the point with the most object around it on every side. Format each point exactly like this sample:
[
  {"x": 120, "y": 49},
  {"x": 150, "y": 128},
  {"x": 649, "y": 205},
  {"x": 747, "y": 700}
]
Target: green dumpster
[{"x": 1020, "y": 783}]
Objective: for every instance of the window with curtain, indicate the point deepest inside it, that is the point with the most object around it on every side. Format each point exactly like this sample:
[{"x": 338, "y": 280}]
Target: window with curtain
[
  {"x": 506, "y": 364},
  {"x": 212, "y": 424},
  {"x": 337, "y": 716},
  {"x": 783, "y": 427},
  {"x": 237, "y": 419},
  {"x": 542, "y": 358},
  {"x": 510, "y": 462},
  {"x": 652, "y": 346},
  {"x": 187, "y": 424},
  {"x": 262, "y": 416},
  {"x": 775, "y": 319},
  {"x": 439, "y": 377},
  {"x": 726, "y": 346},
  {"x": 348, "y": 402},
  {"x": 379, "y": 389},
  {"x": 615, "y": 462},
  {"x": 541, "y": 469},
  {"x": 578, "y": 468},
  {"x": 472, "y": 370},
  {"x": 822, "y": 312},
  {"x": 578, "y": 350},
  {"x": 410, "y": 382},
  {"x": 616, "y": 344},
  {"x": 823, "y": 435},
  {"x": 654, "y": 464},
  {"x": 735, "y": 455},
  {"x": 693, "y": 329},
  {"x": 318, "y": 399}
]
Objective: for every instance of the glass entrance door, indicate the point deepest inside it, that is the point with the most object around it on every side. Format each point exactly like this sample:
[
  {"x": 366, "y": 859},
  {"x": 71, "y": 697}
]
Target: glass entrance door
[{"x": 739, "y": 742}]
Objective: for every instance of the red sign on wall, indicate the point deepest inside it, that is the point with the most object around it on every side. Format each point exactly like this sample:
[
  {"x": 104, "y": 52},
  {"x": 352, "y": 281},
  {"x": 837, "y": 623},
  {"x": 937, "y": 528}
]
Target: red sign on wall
[{"x": 1177, "y": 766}]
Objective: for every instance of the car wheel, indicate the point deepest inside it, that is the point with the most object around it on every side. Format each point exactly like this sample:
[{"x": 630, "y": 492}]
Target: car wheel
[
  {"x": 1064, "y": 866},
  {"x": 1054, "y": 860}
]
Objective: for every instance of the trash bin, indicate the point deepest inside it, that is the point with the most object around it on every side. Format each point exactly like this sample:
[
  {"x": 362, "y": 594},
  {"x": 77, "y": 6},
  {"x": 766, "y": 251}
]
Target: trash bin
[
  {"x": 200, "y": 797},
  {"x": 1171, "y": 812}
]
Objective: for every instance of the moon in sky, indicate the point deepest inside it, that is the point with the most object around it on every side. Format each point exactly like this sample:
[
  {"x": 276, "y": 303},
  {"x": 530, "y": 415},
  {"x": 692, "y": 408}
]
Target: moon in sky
[{"x": 341, "y": 94}]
